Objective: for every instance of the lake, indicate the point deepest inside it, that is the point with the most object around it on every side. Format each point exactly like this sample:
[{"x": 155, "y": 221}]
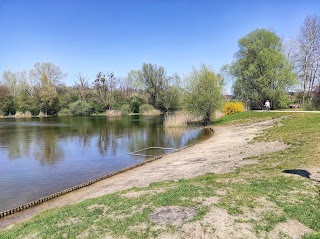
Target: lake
[{"x": 41, "y": 156}]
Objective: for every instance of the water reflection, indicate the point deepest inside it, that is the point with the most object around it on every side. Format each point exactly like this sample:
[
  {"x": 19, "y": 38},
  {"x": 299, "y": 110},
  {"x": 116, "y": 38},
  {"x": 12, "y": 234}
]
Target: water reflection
[{"x": 40, "y": 156}]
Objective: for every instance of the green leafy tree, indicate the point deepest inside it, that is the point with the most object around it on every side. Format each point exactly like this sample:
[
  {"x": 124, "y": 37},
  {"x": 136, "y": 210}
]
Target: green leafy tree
[
  {"x": 154, "y": 80},
  {"x": 6, "y": 101},
  {"x": 261, "y": 70},
  {"x": 10, "y": 79},
  {"x": 170, "y": 99},
  {"x": 203, "y": 95},
  {"x": 47, "y": 76}
]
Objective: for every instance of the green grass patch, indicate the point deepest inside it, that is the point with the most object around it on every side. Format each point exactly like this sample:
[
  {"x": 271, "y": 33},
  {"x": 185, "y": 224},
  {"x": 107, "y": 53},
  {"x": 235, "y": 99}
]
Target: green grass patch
[{"x": 247, "y": 117}]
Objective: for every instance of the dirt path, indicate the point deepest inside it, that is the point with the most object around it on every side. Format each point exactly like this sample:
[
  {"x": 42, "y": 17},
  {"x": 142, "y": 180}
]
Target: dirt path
[{"x": 222, "y": 153}]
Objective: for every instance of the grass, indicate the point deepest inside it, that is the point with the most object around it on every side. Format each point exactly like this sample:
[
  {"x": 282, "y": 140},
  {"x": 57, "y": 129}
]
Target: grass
[{"x": 260, "y": 195}]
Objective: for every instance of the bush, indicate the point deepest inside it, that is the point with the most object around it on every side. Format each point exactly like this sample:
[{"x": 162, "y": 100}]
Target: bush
[
  {"x": 135, "y": 103},
  {"x": 125, "y": 109},
  {"x": 81, "y": 108},
  {"x": 232, "y": 107},
  {"x": 97, "y": 107},
  {"x": 145, "y": 108},
  {"x": 65, "y": 111}
]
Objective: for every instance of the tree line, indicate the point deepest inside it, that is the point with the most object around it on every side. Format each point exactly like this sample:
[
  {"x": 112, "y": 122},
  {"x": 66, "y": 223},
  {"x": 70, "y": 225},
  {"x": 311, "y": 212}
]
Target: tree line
[
  {"x": 42, "y": 90},
  {"x": 264, "y": 68}
]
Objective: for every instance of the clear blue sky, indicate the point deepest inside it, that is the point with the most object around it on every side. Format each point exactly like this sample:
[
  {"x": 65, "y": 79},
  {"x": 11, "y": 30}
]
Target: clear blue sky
[{"x": 120, "y": 35}]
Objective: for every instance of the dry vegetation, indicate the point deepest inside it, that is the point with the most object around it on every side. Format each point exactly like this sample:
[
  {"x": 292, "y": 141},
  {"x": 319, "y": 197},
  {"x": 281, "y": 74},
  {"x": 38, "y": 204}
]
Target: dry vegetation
[{"x": 179, "y": 119}]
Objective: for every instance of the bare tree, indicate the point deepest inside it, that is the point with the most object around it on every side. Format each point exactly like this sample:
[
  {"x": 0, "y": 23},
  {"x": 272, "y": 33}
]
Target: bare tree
[
  {"x": 82, "y": 86},
  {"x": 307, "y": 59},
  {"x": 105, "y": 84}
]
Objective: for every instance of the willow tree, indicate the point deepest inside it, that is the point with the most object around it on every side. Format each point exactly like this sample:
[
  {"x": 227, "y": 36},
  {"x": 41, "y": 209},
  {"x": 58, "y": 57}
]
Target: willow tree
[
  {"x": 261, "y": 70},
  {"x": 203, "y": 95}
]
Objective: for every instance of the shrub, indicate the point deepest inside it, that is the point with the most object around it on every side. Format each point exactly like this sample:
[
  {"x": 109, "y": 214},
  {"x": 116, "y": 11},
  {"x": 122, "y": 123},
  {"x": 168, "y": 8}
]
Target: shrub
[
  {"x": 125, "y": 109},
  {"x": 81, "y": 108},
  {"x": 97, "y": 107},
  {"x": 65, "y": 111},
  {"x": 145, "y": 108},
  {"x": 135, "y": 103},
  {"x": 232, "y": 107}
]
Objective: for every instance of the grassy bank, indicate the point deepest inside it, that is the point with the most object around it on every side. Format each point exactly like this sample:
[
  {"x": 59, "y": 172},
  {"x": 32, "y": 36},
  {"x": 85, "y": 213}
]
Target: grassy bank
[{"x": 261, "y": 195}]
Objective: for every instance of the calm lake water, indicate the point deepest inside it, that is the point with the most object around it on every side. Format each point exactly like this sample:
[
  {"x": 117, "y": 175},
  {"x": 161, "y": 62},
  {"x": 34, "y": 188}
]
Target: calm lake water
[{"x": 41, "y": 156}]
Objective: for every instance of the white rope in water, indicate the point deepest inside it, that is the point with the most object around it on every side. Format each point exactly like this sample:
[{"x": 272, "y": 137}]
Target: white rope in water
[{"x": 135, "y": 152}]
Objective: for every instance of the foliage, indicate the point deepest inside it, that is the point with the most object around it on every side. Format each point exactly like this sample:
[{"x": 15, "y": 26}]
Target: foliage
[
  {"x": 154, "y": 79},
  {"x": 261, "y": 70},
  {"x": 119, "y": 98},
  {"x": 47, "y": 76},
  {"x": 67, "y": 95},
  {"x": 170, "y": 99},
  {"x": 203, "y": 93},
  {"x": 42, "y": 90},
  {"x": 8, "y": 106},
  {"x": 81, "y": 108},
  {"x": 232, "y": 107},
  {"x": 65, "y": 111},
  {"x": 144, "y": 108},
  {"x": 135, "y": 103},
  {"x": 125, "y": 109}
]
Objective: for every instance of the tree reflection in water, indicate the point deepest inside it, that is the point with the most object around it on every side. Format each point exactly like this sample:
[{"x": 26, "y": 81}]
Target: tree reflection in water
[{"x": 47, "y": 155}]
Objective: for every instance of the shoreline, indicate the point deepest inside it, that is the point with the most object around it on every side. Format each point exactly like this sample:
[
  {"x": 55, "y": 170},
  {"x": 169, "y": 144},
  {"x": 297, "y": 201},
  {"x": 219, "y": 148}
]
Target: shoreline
[
  {"x": 222, "y": 153},
  {"x": 34, "y": 203}
]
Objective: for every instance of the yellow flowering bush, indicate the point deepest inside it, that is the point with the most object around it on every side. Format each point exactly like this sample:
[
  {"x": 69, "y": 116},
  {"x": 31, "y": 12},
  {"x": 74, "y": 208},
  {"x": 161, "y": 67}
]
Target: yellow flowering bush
[{"x": 232, "y": 107}]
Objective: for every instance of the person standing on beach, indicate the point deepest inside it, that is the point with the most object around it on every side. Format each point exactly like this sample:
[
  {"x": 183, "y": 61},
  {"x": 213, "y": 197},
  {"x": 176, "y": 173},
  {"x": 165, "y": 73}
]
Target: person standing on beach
[{"x": 267, "y": 105}]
